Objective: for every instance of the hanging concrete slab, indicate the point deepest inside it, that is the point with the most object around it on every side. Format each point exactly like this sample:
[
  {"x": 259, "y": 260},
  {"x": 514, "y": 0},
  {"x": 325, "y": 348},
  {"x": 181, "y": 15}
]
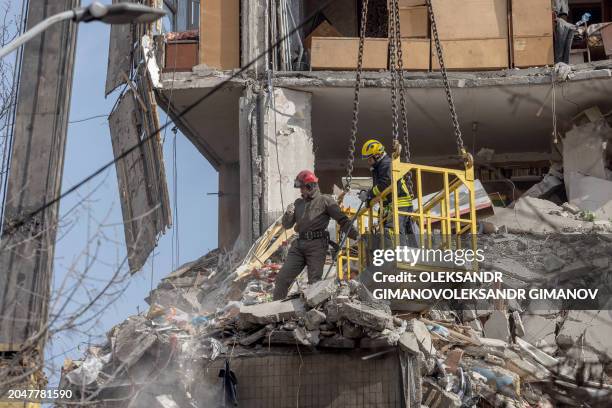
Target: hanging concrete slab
[
  {"x": 141, "y": 178},
  {"x": 119, "y": 54}
]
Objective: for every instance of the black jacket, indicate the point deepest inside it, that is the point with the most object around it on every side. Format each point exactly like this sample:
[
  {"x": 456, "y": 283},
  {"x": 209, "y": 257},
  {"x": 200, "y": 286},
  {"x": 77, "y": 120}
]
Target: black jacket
[{"x": 381, "y": 179}]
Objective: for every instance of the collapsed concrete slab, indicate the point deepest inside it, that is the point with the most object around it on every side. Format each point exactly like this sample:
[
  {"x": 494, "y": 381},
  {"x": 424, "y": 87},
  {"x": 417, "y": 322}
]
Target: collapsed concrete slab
[
  {"x": 272, "y": 312},
  {"x": 436, "y": 397},
  {"x": 253, "y": 337},
  {"x": 313, "y": 319},
  {"x": 408, "y": 342},
  {"x": 423, "y": 337},
  {"x": 534, "y": 215},
  {"x": 497, "y": 327},
  {"x": 319, "y": 292},
  {"x": 365, "y": 316},
  {"x": 540, "y": 331},
  {"x": 592, "y": 328},
  {"x": 584, "y": 152},
  {"x": 511, "y": 268},
  {"x": 591, "y": 194},
  {"x": 337, "y": 341},
  {"x": 132, "y": 341},
  {"x": 550, "y": 184}
]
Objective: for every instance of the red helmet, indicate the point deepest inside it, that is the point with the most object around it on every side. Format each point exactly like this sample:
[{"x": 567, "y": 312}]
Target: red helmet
[{"x": 304, "y": 178}]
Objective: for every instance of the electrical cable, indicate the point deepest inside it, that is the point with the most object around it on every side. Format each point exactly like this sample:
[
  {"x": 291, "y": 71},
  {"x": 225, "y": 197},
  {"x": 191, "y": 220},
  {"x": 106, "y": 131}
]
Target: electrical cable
[
  {"x": 189, "y": 108},
  {"x": 89, "y": 118},
  {"x": 175, "y": 240},
  {"x": 175, "y": 233},
  {"x": 272, "y": 105}
]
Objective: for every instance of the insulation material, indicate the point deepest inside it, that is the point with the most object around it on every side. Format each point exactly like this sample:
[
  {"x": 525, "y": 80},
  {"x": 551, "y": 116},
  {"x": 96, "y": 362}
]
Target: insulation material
[
  {"x": 533, "y": 51},
  {"x": 414, "y": 22},
  {"x": 141, "y": 178},
  {"x": 532, "y": 18},
  {"x": 119, "y": 54},
  {"x": 340, "y": 53},
  {"x": 532, "y": 30},
  {"x": 490, "y": 53},
  {"x": 220, "y": 34},
  {"x": 416, "y": 53},
  {"x": 471, "y": 19}
]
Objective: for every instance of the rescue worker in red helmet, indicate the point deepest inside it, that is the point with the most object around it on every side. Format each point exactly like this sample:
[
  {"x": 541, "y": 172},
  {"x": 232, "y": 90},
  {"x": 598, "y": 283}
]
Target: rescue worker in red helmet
[{"x": 310, "y": 215}]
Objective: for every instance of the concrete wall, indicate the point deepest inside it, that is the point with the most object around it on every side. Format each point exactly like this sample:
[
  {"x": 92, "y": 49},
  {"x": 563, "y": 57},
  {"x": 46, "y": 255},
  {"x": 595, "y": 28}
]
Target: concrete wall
[
  {"x": 287, "y": 149},
  {"x": 229, "y": 204},
  {"x": 254, "y": 34},
  {"x": 283, "y": 377},
  {"x": 250, "y": 185}
]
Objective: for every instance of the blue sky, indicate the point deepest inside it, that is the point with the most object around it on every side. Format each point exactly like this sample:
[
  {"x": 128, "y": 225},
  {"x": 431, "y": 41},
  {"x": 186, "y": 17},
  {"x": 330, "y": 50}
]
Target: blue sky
[{"x": 88, "y": 148}]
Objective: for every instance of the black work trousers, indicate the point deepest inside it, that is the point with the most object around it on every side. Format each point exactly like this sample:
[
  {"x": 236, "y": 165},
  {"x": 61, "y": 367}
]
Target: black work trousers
[
  {"x": 407, "y": 237},
  {"x": 303, "y": 252}
]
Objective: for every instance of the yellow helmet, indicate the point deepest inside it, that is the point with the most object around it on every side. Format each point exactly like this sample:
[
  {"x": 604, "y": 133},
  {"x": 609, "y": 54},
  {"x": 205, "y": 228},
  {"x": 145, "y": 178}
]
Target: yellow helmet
[{"x": 372, "y": 147}]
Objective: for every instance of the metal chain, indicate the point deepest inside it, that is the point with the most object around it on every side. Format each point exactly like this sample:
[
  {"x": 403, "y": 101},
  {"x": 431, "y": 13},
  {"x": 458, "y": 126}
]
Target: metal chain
[
  {"x": 447, "y": 88},
  {"x": 393, "y": 69},
  {"x": 351, "y": 152},
  {"x": 400, "y": 69},
  {"x": 397, "y": 49}
]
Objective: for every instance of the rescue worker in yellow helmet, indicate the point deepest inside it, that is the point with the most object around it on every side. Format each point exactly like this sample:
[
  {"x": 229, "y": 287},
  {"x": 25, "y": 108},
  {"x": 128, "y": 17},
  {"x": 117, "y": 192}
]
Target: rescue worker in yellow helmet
[{"x": 380, "y": 166}]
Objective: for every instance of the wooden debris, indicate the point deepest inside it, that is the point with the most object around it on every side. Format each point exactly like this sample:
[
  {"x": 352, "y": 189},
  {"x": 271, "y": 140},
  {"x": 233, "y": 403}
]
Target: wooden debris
[{"x": 264, "y": 248}]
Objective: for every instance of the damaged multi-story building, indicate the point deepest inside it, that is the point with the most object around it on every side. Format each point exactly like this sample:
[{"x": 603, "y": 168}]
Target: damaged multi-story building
[
  {"x": 266, "y": 88},
  {"x": 291, "y": 108}
]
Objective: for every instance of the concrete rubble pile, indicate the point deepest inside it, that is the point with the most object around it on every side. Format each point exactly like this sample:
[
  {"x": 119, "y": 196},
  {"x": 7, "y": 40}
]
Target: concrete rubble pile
[
  {"x": 510, "y": 354},
  {"x": 478, "y": 356}
]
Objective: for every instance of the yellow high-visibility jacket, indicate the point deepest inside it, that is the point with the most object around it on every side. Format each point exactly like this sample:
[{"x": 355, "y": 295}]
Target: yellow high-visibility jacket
[{"x": 381, "y": 176}]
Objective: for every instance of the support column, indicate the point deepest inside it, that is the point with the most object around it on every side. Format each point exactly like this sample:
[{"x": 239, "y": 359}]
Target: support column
[
  {"x": 249, "y": 170},
  {"x": 229, "y": 204},
  {"x": 28, "y": 238},
  {"x": 287, "y": 149},
  {"x": 254, "y": 33}
]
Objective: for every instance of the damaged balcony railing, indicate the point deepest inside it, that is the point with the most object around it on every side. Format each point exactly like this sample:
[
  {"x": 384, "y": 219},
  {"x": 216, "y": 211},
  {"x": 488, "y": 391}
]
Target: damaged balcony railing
[{"x": 441, "y": 222}]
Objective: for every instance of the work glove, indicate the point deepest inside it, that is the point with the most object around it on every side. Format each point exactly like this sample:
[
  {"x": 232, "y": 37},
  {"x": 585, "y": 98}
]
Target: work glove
[
  {"x": 363, "y": 196},
  {"x": 290, "y": 209}
]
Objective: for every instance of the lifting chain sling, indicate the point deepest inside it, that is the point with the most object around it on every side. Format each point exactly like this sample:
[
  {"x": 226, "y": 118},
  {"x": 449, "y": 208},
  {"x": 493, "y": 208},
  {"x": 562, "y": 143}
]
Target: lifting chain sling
[
  {"x": 447, "y": 89},
  {"x": 397, "y": 82},
  {"x": 396, "y": 74},
  {"x": 351, "y": 156},
  {"x": 396, "y": 65}
]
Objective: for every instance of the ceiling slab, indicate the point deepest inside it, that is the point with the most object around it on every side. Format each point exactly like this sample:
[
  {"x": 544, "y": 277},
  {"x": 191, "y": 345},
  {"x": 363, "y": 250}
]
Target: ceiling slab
[{"x": 508, "y": 111}]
